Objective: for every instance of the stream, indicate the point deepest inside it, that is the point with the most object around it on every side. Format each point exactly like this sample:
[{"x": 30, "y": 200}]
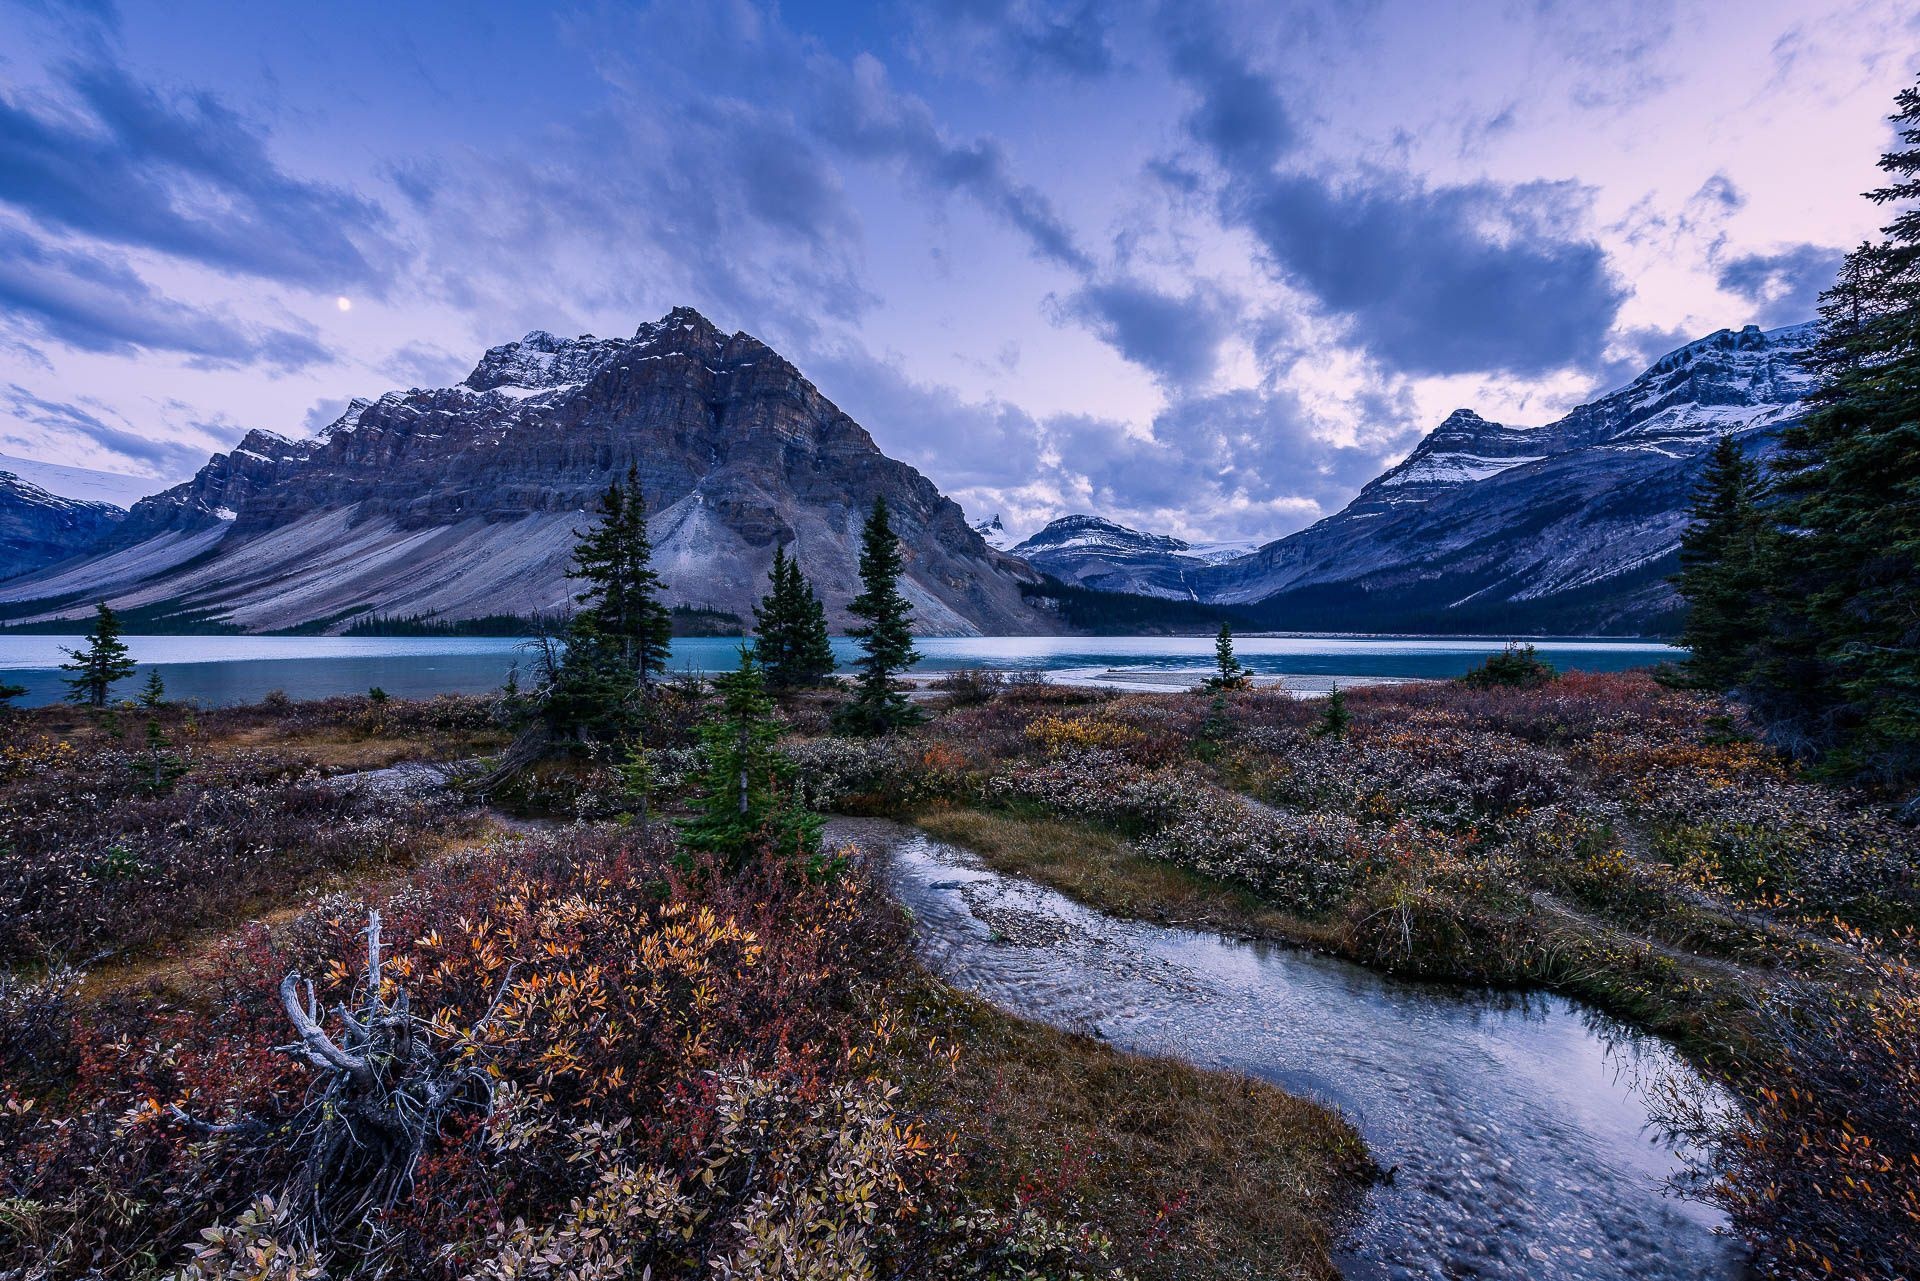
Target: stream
[{"x": 1519, "y": 1125}]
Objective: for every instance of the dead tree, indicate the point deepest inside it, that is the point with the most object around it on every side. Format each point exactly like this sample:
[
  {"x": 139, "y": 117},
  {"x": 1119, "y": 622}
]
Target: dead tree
[{"x": 381, "y": 1093}]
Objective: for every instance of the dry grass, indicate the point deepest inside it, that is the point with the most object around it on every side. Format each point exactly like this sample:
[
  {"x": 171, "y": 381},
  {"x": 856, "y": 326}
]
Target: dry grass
[
  {"x": 1198, "y": 1175},
  {"x": 1106, "y": 872}
]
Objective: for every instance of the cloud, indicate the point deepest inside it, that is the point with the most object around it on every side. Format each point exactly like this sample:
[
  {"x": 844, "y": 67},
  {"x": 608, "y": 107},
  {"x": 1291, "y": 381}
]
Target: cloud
[
  {"x": 1475, "y": 277},
  {"x": 422, "y": 364},
  {"x": 1240, "y": 116},
  {"x": 1028, "y": 37},
  {"x": 1435, "y": 278},
  {"x": 99, "y": 303},
  {"x": 160, "y": 457},
  {"x": 187, "y": 176},
  {"x": 862, "y": 115},
  {"x": 1178, "y": 339},
  {"x": 1783, "y": 286}
]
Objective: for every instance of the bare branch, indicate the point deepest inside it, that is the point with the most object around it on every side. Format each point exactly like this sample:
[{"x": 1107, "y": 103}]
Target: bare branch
[{"x": 321, "y": 1050}]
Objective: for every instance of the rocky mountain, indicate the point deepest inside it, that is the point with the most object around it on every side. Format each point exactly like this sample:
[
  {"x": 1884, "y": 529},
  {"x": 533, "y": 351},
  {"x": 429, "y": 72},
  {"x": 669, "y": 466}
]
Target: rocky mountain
[
  {"x": 1571, "y": 527},
  {"x": 1094, "y": 552},
  {"x": 463, "y": 501},
  {"x": 39, "y": 528}
]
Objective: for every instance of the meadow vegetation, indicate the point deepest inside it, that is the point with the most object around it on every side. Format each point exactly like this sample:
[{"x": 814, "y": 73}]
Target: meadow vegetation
[
  {"x": 1605, "y": 836},
  {"x": 581, "y": 1048}
]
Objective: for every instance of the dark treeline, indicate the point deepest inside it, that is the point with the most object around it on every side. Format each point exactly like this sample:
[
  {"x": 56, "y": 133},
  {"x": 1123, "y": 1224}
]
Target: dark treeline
[{"x": 1803, "y": 576}]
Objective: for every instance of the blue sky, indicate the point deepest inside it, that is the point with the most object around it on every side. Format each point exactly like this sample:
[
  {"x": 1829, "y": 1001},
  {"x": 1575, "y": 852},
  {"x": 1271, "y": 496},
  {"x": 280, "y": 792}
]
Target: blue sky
[{"x": 1199, "y": 266}]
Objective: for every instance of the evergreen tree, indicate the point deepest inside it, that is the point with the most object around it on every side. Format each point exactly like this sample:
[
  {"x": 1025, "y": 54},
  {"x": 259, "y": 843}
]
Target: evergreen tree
[
  {"x": 620, "y": 604},
  {"x": 157, "y": 766},
  {"x": 745, "y": 804},
  {"x": 1334, "y": 718},
  {"x": 773, "y": 624},
  {"x": 616, "y": 643},
  {"x": 886, "y": 640},
  {"x": 104, "y": 661},
  {"x": 10, "y": 692},
  {"x": 1839, "y": 674},
  {"x": 790, "y": 629},
  {"x": 1721, "y": 570},
  {"x": 1229, "y": 673},
  {"x": 812, "y": 657}
]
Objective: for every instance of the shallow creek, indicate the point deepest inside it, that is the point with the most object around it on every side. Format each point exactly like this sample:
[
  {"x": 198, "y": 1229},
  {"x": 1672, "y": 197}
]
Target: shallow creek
[{"x": 1518, "y": 1125}]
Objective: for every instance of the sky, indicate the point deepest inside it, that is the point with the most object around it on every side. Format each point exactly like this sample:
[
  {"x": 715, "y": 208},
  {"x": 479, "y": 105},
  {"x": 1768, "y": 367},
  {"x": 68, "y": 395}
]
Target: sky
[{"x": 1201, "y": 267}]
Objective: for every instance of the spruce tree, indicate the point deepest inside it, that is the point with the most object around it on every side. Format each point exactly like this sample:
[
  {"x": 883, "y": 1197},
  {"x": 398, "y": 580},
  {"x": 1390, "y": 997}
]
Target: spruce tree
[
  {"x": 1334, "y": 717},
  {"x": 886, "y": 639},
  {"x": 104, "y": 661},
  {"x": 790, "y": 629},
  {"x": 812, "y": 654},
  {"x": 617, "y": 642},
  {"x": 745, "y": 802},
  {"x": 1840, "y": 673},
  {"x": 1721, "y": 570},
  {"x": 157, "y": 766},
  {"x": 776, "y": 623},
  {"x": 10, "y": 692},
  {"x": 1229, "y": 673},
  {"x": 620, "y": 604}
]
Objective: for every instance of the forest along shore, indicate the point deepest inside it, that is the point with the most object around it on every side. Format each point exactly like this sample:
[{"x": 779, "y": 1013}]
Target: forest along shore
[{"x": 1598, "y": 836}]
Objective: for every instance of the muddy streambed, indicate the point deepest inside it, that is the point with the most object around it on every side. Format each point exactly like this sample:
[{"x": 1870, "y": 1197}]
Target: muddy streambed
[{"x": 1518, "y": 1125}]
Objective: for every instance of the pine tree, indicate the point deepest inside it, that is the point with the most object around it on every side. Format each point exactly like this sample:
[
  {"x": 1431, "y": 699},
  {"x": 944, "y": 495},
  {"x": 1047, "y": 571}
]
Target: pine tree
[
  {"x": 790, "y": 629},
  {"x": 1721, "y": 570},
  {"x": 1334, "y": 717},
  {"x": 812, "y": 656},
  {"x": 886, "y": 641},
  {"x": 617, "y": 642},
  {"x": 620, "y": 604},
  {"x": 10, "y": 692},
  {"x": 104, "y": 661},
  {"x": 1840, "y": 672},
  {"x": 745, "y": 802},
  {"x": 157, "y": 766},
  {"x": 1229, "y": 673}
]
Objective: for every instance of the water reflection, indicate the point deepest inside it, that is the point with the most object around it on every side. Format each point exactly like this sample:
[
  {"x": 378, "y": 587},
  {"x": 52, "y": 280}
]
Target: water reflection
[{"x": 1519, "y": 1125}]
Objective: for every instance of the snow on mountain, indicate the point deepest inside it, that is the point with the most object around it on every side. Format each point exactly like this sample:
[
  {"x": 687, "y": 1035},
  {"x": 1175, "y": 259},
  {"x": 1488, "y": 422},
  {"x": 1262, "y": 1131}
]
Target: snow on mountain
[
  {"x": 84, "y": 483},
  {"x": 1095, "y": 552},
  {"x": 1571, "y": 526},
  {"x": 993, "y": 533}
]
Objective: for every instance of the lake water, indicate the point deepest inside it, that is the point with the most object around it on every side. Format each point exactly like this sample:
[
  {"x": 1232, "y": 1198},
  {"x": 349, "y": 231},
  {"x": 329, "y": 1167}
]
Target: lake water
[
  {"x": 1521, "y": 1128},
  {"x": 217, "y": 670}
]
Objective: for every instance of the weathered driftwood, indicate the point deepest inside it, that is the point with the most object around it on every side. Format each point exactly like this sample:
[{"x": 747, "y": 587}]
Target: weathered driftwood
[{"x": 381, "y": 1093}]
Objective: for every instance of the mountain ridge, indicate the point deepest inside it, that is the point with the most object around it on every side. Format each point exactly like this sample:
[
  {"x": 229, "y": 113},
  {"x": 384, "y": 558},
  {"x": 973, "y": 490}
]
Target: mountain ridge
[{"x": 465, "y": 500}]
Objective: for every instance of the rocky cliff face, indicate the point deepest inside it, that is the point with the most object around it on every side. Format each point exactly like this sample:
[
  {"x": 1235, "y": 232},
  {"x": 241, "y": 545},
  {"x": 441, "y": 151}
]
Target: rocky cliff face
[
  {"x": 1570, "y": 527},
  {"x": 463, "y": 501},
  {"x": 38, "y": 528}
]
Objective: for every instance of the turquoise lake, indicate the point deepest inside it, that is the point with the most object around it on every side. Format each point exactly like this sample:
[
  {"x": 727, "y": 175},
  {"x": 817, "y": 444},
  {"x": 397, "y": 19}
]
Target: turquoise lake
[{"x": 217, "y": 670}]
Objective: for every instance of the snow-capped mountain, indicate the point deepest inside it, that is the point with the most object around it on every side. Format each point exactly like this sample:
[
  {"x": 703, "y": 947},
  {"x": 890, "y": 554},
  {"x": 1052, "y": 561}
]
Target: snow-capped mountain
[
  {"x": 39, "y": 528},
  {"x": 1569, "y": 527},
  {"x": 1094, "y": 552},
  {"x": 993, "y": 533},
  {"x": 462, "y": 501}
]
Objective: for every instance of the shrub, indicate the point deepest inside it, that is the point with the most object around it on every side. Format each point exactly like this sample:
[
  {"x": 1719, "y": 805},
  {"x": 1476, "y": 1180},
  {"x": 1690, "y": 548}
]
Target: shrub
[
  {"x": 971, "y": 686},
  {"x": 1516, "y": 667}
]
